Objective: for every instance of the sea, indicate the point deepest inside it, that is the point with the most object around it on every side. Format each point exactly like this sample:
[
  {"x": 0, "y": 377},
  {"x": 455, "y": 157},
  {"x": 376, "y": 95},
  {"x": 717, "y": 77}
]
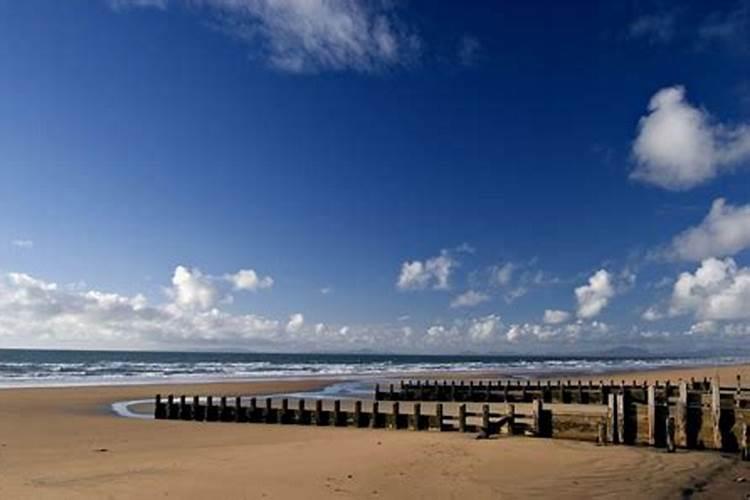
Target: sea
[{"x": 42, "y": 368}]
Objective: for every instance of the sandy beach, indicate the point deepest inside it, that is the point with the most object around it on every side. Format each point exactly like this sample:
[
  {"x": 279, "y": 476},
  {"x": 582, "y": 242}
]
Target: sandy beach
[{"x": 65, "y": 443}]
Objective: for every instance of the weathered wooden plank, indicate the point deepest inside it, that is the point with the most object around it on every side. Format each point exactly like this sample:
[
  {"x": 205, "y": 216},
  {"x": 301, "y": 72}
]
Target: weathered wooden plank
[
  {"x": 651, "y": 395},
  {"x": 716, "y": 413},
  {"x": 612, "y": 436},
  {"x": 671, "y": 446},
  {"x": 681, "y": 412}
]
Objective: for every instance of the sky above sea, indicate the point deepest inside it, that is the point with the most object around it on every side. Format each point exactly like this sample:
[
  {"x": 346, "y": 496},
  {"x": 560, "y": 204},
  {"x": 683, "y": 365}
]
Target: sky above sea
[{"x": 387, "y": 176}]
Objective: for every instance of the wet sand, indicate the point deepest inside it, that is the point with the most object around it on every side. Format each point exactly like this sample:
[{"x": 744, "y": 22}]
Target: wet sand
[{"x": 65, "y": 443}]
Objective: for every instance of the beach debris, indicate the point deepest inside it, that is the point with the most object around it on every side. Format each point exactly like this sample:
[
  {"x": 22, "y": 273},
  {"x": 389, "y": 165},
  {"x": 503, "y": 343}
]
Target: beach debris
[
  {"x": 101, "y": 450},
  {"x": 739, "y": 479}
]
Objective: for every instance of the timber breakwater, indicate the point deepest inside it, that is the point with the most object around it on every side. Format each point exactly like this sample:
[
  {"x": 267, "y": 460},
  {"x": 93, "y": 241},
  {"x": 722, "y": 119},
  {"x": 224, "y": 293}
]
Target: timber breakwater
[{"x": 689, "y": 414}]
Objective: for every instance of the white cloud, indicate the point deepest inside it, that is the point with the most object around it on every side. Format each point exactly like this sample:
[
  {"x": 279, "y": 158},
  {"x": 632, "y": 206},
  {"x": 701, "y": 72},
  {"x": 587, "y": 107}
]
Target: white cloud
[
  {"x": 654, "y": 27},
  {"x": 295, "y": 323},
  {"x": 571, "y": 332},
  {"x": 34, "y": 312},
  {"x": 22, "y": 243},
  {"x": 516, "y": 279},
  {"x": 724, "y": 232},
  {"x": 248, "y": 279},
  {"x": 326, "y": 290},
  {"x": 312, "y": 35},
  {"x": 652, "y": 314},
  {"x": 502, "y": 275},
  {"x": 190, "y": 288},
  {"x": 432, "y": 273},
  {"x": 555, "y": 316},
  {"x": 679, "y": 146},
  {"x": 718, "y": 290},
  {"x": 469, "y": 298},
  {"x": 595, "y": 296},
  {"x": 485, "y": 329}
]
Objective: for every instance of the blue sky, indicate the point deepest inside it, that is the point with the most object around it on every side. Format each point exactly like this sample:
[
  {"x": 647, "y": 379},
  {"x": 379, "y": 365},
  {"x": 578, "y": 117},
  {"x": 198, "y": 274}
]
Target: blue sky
[{"x": 399, "y": 176}]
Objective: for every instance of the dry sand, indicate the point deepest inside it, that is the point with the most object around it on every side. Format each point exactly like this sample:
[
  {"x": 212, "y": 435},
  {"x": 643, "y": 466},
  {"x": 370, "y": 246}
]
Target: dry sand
[{"x": 63, "y": 443}]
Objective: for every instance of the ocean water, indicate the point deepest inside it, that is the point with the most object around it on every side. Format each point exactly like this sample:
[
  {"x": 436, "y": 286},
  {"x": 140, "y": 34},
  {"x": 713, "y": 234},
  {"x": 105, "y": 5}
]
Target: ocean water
[{"x": 49, "y": 368}]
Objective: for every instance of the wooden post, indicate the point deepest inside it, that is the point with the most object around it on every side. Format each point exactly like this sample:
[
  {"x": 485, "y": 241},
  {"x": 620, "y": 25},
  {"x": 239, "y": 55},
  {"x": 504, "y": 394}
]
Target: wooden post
[
  {"x": 184, "y": 408},
  {"x": 486, "y": 419},
  {"x": 301, "y": 415},
  {"x": 601, "y": 433},
  {"x": 738, "y": 392},
  {"x": 159, "y": 410},
  {"x": 239, "y": 415},
  {"x": 670, "y": 435},
  {"x": 391, "y": 393},
  {"x": 374, "y": 421},
  {"x": 536, "y": 410},
  {"x": 395, "y": 415},
  {"x": 745, "y": 441},
  {"x": 223, "y": 409},
  {"x": 612, "y": 435},
  {"x": 319, "y": 412},
  {"x": 171, "y": 408},
  {"x": 560, "y": 391},
  {"x": 252, "y": 412},
  {"x": 651, "y": 393},
  {"x": 580, "y": 393},
  {"x": 621, "y": 416},
  {"x": 506, "y": 391},
  {"x": 439, "y": 416},
  {"x": 453, "y": 390},
  {"x": 283, "y": 416},
  {"x": 681, "y": 410},
  {"x": 210, "y": 417},
  {"x": 377, "y": 392},
  {"x": 197, "y": 414},
  {"x": 716, "y": 412},
  {"x": 357, "y": 413},
  {"x": 336, "y": 413},
  {"x": 462, "y": 418},
  {"x": 416, "y": 417},
  {"x": 511, "y": 410}
]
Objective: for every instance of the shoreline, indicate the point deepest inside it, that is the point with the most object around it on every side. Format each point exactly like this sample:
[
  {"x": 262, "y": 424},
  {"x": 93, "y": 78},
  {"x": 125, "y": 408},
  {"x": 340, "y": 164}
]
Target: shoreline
[{"x": 478, "y": 374}]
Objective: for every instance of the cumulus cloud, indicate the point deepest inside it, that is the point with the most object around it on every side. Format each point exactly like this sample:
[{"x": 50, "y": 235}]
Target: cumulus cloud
[
  {"x": 469, "y": 298},
  {"x": 555, "y": 316},
  {"x": 568, "y": 333},
  {"x": 717, "y": 290},
  {"x": 594, "y": 297},
  {"x": 248, "y": 279},
  {"x": 485, "y": 329},
  {"x": 36, "y": 312},
  {"x": 302, "y": 36},
  {"x": 22, "y": 243},
  {"x": 652, "y": 314},
  {"x": 432, "y": 273},
  {"x": 725, "y": 231},
  {"x": 191, "y": 288},
  {"x": 679, "y": 146},
  {"x": 295, "y": 323}
]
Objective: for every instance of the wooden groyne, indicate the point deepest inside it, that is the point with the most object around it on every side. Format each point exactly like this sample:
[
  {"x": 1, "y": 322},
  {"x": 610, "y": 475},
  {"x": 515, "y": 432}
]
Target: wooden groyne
[
  {"x": 489, "y": 419},
  {"x": 690, "y": 414}
]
